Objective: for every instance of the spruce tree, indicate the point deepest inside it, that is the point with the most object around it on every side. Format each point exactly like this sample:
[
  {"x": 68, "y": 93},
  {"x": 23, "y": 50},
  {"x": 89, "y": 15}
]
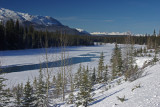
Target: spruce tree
[
  {"x": 40, "y": 90},
  {"x": 28, "y": 100},
  {"x": 84, "y": 96},
  {"x": 4, "y": 100},
  {"x": 100, "y": 68},
  {"x": 116, "y": 62},
  {"x": 58, "y": 88},
  {"x": 131, "y": 71},
  {"x": 18, "y": 96},
  {"x": 93, "y": 78},
  {"x": 105, "y": 74},
  {"x": 78, "y": 77}
]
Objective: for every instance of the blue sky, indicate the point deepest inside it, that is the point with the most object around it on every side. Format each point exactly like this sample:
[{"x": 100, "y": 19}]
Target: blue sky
[{"x": 137, "y": 16}]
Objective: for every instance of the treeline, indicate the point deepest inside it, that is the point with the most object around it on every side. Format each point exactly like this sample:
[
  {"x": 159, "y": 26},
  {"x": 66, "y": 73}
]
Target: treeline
[
  {"x": 78, "y": 89},
  {"x": 13, "y": 36},
  {"x": 152, "y": 41}
]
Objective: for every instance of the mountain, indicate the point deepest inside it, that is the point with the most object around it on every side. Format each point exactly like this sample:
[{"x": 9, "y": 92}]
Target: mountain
[
  {"x": 99, "y": 33},
  {"x": 82, "y": 31},
  {"x": 106, "y": 33},
  {"x": 109, "y": 34},
  {"x": 38, "y": 22}
]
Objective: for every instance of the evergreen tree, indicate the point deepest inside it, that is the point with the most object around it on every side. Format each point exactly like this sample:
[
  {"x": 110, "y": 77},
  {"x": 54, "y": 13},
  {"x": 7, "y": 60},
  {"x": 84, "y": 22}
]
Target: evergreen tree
[
  {"x": 131, "y": 71},
  {"x": 93, "y": 78},
  {"x": 40, "y": 90},
  {"x": 35, "y": 84},
  {"x": 116, "y": 62},
  {"x": 4, "y": 100},
  {"x": 105, "y": 75},
  {"x": 58, "y": 85},
  {"x": 84, "y": 97},
  {"x": 154, "y": 32},
  {"x": 28, "y": 100},
  {"x": 78, "y": 77},
  {"x": 18, "y": 96},
  {"x": 100, "y": 68},
  {"x": 2, "y": 37}
]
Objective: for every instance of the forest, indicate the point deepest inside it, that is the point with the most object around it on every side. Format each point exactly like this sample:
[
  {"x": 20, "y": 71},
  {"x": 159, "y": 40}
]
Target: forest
[{"x": 13, "y": 36}]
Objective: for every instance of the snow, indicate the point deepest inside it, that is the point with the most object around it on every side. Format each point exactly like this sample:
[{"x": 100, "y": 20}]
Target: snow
[
  {"x": 82, "y": 31},
  {"x": 147, "y": 95},
  {"x": 35, "y": 56},
  {"x": 6, "y": 14},
  {"x": 109, "y": 33}
]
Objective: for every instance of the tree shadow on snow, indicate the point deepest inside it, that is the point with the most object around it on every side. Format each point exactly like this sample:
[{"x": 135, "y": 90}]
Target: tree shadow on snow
[{"x": 99, "y": 100}]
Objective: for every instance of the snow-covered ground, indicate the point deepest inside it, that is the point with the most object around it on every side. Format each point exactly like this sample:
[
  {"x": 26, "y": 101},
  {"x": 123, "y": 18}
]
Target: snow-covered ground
[
  {"x": 148, "y": 95},
  {"x": 35, "y": 56},
  {"x": 32, "y": 57}
]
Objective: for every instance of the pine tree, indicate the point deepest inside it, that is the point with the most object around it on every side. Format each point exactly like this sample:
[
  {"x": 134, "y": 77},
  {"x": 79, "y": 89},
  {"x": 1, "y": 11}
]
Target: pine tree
[
  {"x": 2, "y": 37},
  {"x": 93, "y": 78},
  {"x": 58, "y": 88},
  {"x": 40, "y": 90},
  {"x": 4, "y": 100},
  {"x": 116, "y": 62},
  {"x": 35, "y": 84},
  {"x": 84, "y": 96},
  {"x": 100, "y": 68},
  {"x": 28, "y": 100},
  {"x": 105, "y": 75},
  {"x": 155, "y": 59},
  {"x": 19, "y": 95},
  {"x": 78, "y": 77},
  {"x": 154, "y": 32},
  {"x": 131, "y": 71}
]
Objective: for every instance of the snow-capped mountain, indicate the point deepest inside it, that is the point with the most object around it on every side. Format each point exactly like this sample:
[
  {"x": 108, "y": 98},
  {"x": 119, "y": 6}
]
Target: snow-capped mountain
[
  {"x": 107, "y": 33},
  {"x": 82, "y": 31},
  {"x": 99, "y": 33},
  {"x": 39, "y": 22},
  {"x": 6, "y": 14}
]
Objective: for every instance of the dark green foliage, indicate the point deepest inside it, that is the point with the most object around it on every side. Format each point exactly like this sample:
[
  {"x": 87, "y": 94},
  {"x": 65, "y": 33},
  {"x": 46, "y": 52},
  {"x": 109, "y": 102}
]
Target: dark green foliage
[
  {"x": 13, "y": 37},
  {"x": 4, "y": 94},
  {"x": 100, "y": 68},
  {"x": 28, "y": 100},
  {"x": 78, "y": 77},
  {"x": 93, "y": 78},
  {"x": 105, "y": 74},
  {"x": 40, "y": 90},
  {"x": 19, "y": 94},
  {"x": 131, "y": 71},
  {"x": 58, "y": 88},
  {"x": 84, "y": 96},
  {"x": 116, "y": 62}
]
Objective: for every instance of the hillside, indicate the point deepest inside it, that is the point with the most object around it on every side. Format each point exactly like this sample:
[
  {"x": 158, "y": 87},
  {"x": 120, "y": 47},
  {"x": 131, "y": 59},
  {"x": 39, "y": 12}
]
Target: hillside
[
  {"x": 39, "y": 22},
  {"x": 143, "y": 92},
  {"x": 147, "y": 95}
]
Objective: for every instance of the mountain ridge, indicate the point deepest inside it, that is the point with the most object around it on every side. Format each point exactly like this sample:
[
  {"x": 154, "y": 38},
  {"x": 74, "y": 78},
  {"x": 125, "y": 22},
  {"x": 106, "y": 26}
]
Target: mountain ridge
[{"x": 37, "y": 21}]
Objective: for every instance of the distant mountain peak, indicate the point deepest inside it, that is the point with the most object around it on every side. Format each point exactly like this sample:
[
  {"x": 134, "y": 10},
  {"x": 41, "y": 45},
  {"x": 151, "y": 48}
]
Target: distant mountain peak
[
  {"x": 6, "y": 14},
  {"x": 38, "y": 22},
  {"x": 107, "y": 33},
  {"x": 82, "y": 31}
]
